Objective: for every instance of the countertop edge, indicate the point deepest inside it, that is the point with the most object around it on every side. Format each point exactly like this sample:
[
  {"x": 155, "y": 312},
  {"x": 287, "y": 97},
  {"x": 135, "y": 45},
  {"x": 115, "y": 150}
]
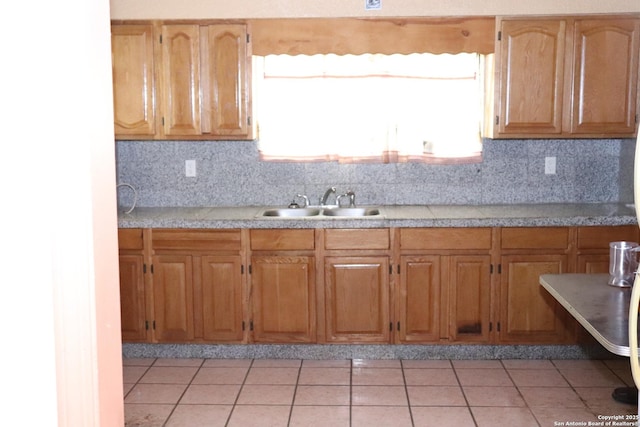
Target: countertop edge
[{"x": 549, "y": 215}]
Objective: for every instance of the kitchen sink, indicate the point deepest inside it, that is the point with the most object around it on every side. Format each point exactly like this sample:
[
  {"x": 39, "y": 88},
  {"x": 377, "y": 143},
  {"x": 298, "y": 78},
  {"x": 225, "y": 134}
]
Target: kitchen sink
[
  {"x": 319, "y": 212},
  {"x": 354, "y": 212},
  {"x": 292, "y": 212}
]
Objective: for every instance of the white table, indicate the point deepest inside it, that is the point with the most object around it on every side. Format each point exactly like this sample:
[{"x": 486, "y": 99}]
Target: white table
[{"x": 603, "y": 310}]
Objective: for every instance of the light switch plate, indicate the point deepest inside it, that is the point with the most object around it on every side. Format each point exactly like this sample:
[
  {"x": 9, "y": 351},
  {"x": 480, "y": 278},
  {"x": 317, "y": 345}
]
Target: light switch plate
[{"x": 190, "y": 168}]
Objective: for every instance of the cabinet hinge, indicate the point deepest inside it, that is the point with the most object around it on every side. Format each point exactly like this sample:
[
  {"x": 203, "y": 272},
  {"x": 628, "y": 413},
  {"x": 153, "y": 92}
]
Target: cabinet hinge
[
  {"x": 499, "y": 35},
  {"x": 497, "y": 120}
]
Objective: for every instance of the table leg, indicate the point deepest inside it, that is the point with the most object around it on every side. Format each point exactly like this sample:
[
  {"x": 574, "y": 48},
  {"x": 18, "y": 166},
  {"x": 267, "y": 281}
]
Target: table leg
[{"x": 626, "y": 395}]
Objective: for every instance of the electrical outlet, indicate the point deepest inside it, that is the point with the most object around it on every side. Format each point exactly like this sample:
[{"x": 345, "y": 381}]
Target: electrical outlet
[
  {"x": 190, "y": 168},
  {"x": 372, "y": 4},
  {"x": 550, "y": 165}
]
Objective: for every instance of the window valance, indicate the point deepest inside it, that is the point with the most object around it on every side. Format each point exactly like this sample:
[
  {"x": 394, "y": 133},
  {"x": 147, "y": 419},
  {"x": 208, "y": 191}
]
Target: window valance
[{"x": 358, "y": 36}]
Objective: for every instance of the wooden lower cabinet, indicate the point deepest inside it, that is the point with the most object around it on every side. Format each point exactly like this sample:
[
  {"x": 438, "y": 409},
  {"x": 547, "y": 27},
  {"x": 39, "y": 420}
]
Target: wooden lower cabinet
[
  {"x": 132, "y": 298},
  {"x": 218, "y": 301},
  {"x": 593, "y": 246},
  {"x": 528, "y": 313},
  {"x": 133, "y": 301},
  {"x": 407, "y": 285},
  {"x": 469, "y": 299},
  {"x": 357, "y": 299},
  {"x": 283, "y": 298},
  {"x": 196, "y": 286},
  {"x": 444, "y": 298},
  {"x": 444, "y": 285},
  {"x": 173, "y": 298},
  {"x": 419, "y": 299}
]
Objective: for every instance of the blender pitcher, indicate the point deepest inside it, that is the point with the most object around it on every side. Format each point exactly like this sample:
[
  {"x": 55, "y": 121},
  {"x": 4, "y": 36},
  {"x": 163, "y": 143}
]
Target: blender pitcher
[{"x": 623, "y": 263}]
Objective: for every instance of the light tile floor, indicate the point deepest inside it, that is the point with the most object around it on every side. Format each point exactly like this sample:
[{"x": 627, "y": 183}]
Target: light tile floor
[{"x": 397, "y": 393}]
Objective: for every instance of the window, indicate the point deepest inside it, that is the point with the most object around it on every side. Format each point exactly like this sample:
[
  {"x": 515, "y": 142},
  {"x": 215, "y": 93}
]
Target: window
[{"x": 372, "y": 107}]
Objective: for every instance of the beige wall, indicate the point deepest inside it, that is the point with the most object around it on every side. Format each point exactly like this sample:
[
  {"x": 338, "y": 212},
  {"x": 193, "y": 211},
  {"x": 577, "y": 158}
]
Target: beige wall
[
  {"x": 203, "y": 9},
  {"x": 61, "y": 363}
]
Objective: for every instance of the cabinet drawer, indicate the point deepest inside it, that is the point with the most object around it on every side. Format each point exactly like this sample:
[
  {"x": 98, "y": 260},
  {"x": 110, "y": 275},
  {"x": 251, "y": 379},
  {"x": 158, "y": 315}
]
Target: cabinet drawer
[
  {"x": 445, "y": 238},
  {"x": 130, "y": 238},
  {"x": 264, "y": 240},
  {"x": 376, "y": 238},
  {"x": 205, "y": 240},
  {"x": 600, "y": 237},
  {"x": 535, "y": 238}
]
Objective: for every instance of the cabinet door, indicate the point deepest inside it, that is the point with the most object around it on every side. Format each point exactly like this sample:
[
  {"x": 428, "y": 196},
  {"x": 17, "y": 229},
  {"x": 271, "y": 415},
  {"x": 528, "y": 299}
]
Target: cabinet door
[
  {"x": 531, "y": 57},
  {"x": 469, "y": 298},
  {"x": 593, "y": 263},
  {"x": 605, "y": 76},
  {"x": 357, "y": 299},
  {"x": 133, "y": 79},
  {"x": 283, "y": 298},
  {"x": 132, "y": 303},
  {"x": 173, "y": 298},
  {"x": 181, "y": 79},
  {"x": 528, "y": 313},
  {"x": 221, "y": 298},
  {"x": 227, "y": 108},
  {"x": 419, "y": 299}
]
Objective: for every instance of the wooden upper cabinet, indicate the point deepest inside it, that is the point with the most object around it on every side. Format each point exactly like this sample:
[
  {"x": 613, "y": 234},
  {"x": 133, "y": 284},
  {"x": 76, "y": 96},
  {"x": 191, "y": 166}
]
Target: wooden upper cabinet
[
  {"x": 531, "y": 57},
  {"x": 227, "y": 107},
  {"x": 181, "y": 79},
  {"x": 194, "y": 78},
  {"x": 605, "y": 76},
  {"x": 133, "y": 80},
  {"x": 567, "y": 77}
]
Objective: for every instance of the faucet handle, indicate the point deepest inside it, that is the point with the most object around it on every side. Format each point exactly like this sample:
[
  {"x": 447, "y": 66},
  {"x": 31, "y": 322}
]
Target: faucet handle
[
  {"x": 352, "y": 198},
  {"x": 294, "y": 205}
]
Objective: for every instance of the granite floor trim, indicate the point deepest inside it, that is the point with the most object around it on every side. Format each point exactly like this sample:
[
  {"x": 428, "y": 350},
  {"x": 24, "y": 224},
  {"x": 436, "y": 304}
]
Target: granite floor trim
[{"x": 338, "y": 351}]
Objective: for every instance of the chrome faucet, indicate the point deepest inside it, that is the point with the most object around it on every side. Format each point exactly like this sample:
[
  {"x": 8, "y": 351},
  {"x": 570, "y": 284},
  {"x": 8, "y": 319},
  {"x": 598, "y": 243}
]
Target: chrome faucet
[{"x": 325, "y": 197}]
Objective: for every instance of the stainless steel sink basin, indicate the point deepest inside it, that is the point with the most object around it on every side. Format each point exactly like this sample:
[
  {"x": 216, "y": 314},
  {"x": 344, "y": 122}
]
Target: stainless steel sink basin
[
  {"x": 292, "y": 212},
  {"x": 353, "y": 212}
]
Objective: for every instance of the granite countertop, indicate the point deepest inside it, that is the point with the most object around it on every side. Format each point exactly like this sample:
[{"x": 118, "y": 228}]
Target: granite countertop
[{"x": 529, "y": 215}]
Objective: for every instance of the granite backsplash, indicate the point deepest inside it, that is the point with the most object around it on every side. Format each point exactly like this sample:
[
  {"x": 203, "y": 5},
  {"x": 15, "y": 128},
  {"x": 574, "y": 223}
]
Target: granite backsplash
[{"x": 229, "y": 173}]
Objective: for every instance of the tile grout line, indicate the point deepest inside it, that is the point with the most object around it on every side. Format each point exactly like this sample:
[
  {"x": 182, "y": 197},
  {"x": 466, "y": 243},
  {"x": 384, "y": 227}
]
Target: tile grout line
[
  {"x": 235, "y": 402},
  {"x": 295, "y": 391},
  {"x": 464, "y": 395},
  {"x": 526, "y": 404},
  {"x": 175, "y": 406},
  {"x": 406, "y": 391}
]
